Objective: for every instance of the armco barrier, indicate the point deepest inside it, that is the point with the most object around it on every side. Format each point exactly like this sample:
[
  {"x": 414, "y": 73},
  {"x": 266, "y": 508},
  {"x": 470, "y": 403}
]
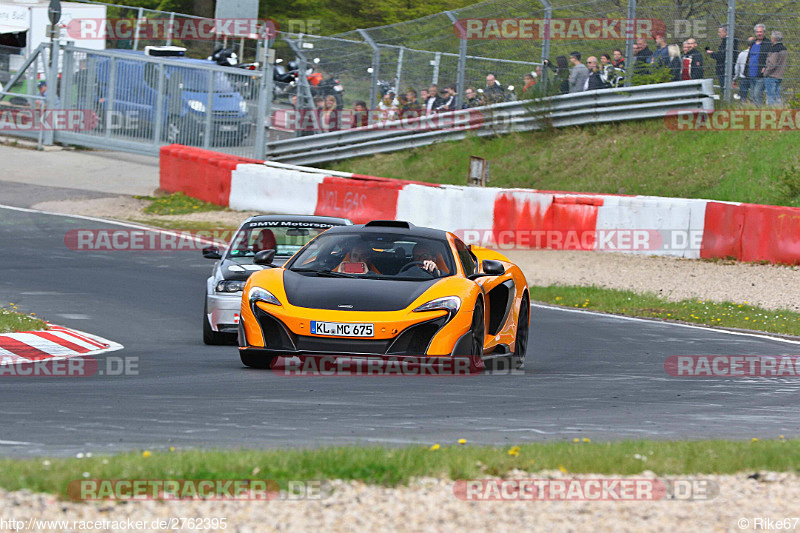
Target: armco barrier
[{"x": 569, "y": 220}]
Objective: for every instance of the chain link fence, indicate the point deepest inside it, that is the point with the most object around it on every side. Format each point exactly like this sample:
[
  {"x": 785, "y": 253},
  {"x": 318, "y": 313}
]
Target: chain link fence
[{"x": 310, "y": 72}]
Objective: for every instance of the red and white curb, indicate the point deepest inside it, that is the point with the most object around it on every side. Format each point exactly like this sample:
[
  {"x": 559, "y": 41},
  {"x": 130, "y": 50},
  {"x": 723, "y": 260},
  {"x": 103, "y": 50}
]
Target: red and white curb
[{"x": 54, "y": 344}]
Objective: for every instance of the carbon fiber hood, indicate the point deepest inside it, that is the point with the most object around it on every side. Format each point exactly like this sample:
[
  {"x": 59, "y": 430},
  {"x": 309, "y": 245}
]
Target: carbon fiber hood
[{"x": 363, "y": 294}]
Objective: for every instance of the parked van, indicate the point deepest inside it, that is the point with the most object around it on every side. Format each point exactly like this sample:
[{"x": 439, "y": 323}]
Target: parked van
[{"x": 186, "y": 96}]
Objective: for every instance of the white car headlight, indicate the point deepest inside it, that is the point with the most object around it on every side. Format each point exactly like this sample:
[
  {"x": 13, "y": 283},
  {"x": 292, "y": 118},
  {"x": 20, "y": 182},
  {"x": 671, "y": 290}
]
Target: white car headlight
[
  {"x": 197, "y": 105},
  {"x": 449, "y": 303},
  {"x": 257, "y": 294},
  {"x": 229, "y": 286}
]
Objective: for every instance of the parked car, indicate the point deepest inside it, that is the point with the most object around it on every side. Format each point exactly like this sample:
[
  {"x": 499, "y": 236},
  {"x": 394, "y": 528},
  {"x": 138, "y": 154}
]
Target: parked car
[{"x": 186, "y": 87}]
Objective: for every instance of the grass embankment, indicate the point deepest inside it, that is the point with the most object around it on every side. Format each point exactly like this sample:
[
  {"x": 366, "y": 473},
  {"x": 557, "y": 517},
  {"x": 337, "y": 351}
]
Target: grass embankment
[
  {"x": 396, "y": 466},
  {"x": 628, "y": 158},
  {"x": 11, "y": 320},
  {"x": 695, "y": 311},
  {"x": 177, "y": 204}
]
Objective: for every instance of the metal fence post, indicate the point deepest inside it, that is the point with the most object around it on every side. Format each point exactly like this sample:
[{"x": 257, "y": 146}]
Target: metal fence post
[
  {"x": 67, "y": 100},
  {"x": 630, "y": 37},
  {"x": 437, "y": 59},
  {"x": 209, "y": 111},
  {"x": 52, "y": 86},
  {"x": 462, "y": 59},
  {"x": 399, "y": 71},
  {"x": 136, "y": 30},
  {"x": 112, "y": 90},
  {"x": 169, "y": 31},
  {"x": 159, "y": 125},
  {"x": 304, "y": 98},
  {"x": 729, "y": 59},
  {"x": 376, "y": 65},
  {"x": 263, "y": 120},
  {"x": 548, "y": 15}
]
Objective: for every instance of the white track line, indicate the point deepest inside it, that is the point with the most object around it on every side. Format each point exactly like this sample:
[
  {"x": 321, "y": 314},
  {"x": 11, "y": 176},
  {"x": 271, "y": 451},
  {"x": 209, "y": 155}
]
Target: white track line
[
  {"x": 108, "y": 221},
  {"x": 665, "y": 322}
]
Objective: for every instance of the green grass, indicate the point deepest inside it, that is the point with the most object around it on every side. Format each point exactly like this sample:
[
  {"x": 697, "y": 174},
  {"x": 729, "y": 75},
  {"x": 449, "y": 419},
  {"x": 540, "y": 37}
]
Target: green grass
[
  {"x": 189, "y": 225},
  {"x": 396, "y": 466},
  {"x": 176, "y": 204},
  {"x": 695, "y": 311},
  {"x": 627, "y": 158},
  {"x": 11, "y": 321}
]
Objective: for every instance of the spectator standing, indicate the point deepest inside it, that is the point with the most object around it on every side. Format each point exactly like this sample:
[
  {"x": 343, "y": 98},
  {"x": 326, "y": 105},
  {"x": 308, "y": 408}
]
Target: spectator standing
[
  {"x": 674, "y": 62},
  {"x": 691, "y": 63},
  {"x": 388, "y": 107},
  {"x": 360, "y": 114},
  {"x": 619, "y": 59},
  {"x": 740, "y": 71},
  {"x": 719, "y": 55},
  {"x": 472, "y": 99},
  {"x": 660, "y": 58},
  {"x": 494, "y": 92},
  {"x": 530, "y": 83},
  {"x": 594, "y": 81},
  {"x": 448, "y": 99},
  {"x": 756, "y": 61},
  {"x": 777, "y": 60},
  {"x": 578, "y": 75},
  {"x": 330, "y": 114},
  {"x": 433, "y": 100},
  {"x": 411, "y": 106},
  {"x": 641, "y": 64}
]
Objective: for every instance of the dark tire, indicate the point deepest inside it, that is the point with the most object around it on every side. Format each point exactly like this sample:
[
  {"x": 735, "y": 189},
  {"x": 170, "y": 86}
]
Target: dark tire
[
  {"x": 255, "y": 359},
  {"x": 523, "y": 331},
  {"x": 478, "y": 330},
  {"x": 211, "y": 337}
]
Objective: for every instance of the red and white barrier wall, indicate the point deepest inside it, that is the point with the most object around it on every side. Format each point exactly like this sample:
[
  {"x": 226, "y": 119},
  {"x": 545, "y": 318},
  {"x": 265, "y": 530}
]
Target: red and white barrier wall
[{"x": 521, "y": 218}]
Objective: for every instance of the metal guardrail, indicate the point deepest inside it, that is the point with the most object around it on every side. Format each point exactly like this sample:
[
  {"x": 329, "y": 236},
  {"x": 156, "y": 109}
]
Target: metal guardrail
[{"x": 608, "y": 105}]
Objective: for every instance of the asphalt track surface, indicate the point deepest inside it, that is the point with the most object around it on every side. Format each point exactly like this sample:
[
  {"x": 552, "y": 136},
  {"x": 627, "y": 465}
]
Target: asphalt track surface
[{"x": 587, "y": 375}]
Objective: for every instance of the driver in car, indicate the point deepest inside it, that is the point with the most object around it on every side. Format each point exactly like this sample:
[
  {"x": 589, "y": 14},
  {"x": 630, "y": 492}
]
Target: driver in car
[
  {"x": 425, "y": 255},
  {"x": 360, "y": 253}
]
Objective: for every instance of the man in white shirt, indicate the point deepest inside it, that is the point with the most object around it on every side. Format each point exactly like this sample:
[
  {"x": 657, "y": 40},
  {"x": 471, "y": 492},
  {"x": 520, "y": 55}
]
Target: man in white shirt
[{"x": 739, "y": 72}]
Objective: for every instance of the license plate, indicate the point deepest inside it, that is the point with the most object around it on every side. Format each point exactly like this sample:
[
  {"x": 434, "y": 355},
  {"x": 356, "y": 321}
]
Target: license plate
[
  {"x": 341, "y": 329},
  {"x": 227, "y": 127}
]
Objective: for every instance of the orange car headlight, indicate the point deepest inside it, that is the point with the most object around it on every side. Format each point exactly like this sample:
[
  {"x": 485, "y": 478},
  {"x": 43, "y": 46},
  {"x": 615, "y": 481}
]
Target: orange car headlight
[
  {"x": 257, "y": 294},
  {"x": 451, "y": 304}
]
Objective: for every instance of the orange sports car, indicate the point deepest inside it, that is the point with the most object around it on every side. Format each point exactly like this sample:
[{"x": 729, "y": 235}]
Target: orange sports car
[{"x": 386, "y": 289}]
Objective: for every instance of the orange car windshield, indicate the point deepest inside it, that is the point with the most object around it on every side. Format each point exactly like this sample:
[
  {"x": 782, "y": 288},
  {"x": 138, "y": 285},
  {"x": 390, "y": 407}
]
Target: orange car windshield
[{"x": 375, "y": 256}]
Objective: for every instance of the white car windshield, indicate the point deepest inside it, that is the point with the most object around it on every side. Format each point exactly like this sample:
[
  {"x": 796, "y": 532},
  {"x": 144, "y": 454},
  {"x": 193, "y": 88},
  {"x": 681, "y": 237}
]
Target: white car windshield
[{"x": 285, "y": 239}]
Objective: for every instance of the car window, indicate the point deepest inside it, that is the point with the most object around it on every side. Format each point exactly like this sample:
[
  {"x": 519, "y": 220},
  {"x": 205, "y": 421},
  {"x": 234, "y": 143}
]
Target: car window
[
  {"x": 285, "y": 239},
  {"x": 375, "y": 255},
  {"x": 468, "y": 262}
]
